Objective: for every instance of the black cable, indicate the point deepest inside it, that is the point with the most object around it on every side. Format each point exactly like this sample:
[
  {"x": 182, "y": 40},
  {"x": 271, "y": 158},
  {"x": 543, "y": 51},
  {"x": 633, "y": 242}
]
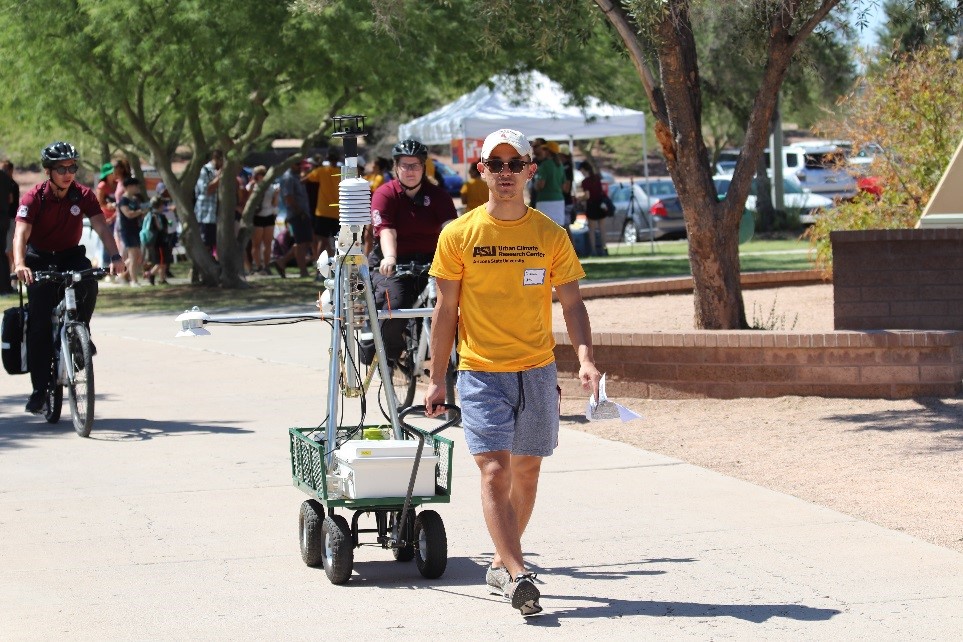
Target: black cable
[{"x": 266, "y": 321}]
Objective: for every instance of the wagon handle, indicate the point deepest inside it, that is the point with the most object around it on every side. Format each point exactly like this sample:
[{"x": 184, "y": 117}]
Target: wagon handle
[
  {"x": 420, "y": 436},
  {"x": 450, "y": 407}
]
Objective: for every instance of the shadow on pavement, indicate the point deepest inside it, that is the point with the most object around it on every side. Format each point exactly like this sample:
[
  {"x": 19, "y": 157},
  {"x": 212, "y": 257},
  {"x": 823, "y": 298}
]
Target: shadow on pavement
[
  {"x": 612, "y": 607},
  {"x": 616, "y": 571},
  {"x": 17, "y": 428},
  {"x": 470, "y": 572}
]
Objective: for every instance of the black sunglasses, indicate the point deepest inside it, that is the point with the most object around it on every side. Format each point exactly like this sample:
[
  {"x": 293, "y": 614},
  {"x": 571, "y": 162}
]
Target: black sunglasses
[
  {"x": 66, "y": 169},
  {"x": 515, "y": 165}
]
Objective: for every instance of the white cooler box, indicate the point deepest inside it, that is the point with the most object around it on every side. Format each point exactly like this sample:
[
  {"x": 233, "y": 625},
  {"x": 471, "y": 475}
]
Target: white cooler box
[{"x": 382, "y": 468}]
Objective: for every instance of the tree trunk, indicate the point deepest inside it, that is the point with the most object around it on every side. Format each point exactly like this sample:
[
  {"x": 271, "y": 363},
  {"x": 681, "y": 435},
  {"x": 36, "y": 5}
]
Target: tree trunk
[
  {"x": 712, "y": 227},
  {"x": 714, "y": 257},
  {"x": 764, "y": 204},
  {"x": 230, "y": 259}
]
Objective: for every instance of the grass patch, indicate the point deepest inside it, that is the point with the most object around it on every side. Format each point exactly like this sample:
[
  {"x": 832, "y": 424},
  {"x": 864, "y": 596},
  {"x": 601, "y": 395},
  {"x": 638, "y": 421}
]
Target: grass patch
[
  {"x": 263, "y": 293},
  {"x": 681, "y": 248},
  {"x": 679, "y": 266}
]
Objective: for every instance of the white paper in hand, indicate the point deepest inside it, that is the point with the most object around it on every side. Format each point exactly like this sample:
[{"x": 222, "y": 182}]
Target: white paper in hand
[{"x": 605, "y": 409}]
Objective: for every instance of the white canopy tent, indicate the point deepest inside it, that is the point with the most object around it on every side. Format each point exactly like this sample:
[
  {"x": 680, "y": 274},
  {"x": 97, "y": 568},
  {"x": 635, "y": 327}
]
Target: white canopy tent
[{"x": 531, "y": 103}]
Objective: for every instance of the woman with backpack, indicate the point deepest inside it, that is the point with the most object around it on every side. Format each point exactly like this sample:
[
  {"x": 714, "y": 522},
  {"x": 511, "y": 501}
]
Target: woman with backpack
[{"x": 155, "y": 242}]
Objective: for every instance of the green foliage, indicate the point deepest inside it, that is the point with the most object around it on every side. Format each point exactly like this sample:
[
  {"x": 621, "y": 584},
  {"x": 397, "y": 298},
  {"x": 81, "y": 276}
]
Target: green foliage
[
  {"x": 732, "y": 55},
  {"x": 911, "y": 109},
  {"x": 144, "y": 77},
  {"x": 909, "y": 28}
]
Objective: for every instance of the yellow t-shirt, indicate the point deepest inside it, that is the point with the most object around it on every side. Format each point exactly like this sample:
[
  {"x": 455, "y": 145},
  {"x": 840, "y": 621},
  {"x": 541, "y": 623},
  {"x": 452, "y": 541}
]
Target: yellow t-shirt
[
  {"x": 507, "y": 271},
  {"x": 376, "y": 179},
  {"x": 474, "y": 193},
  {"x": 328, "y": 178}
]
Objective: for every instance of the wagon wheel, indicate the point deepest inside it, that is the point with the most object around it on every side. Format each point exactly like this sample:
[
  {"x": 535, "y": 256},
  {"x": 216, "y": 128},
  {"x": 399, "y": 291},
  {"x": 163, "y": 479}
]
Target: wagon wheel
[
  {"x": 405, "y": 553},
  {"x": 337, "y": 549},
  {"x": 309, "y": 523},
  {"x": 432, "y": 544}
]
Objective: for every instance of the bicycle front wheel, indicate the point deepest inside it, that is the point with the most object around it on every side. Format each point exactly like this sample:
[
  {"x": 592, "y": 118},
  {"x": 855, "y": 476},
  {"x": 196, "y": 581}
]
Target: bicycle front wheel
[
  {"x": 80, "y": 387},
  {"x": 404, "y": 382},
  {"x": 404, "y": 376},
  {"x": 55, "y": 400}
]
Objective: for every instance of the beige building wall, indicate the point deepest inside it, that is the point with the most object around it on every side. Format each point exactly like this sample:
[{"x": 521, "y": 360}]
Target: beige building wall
[{"x": 945, "y": 208}]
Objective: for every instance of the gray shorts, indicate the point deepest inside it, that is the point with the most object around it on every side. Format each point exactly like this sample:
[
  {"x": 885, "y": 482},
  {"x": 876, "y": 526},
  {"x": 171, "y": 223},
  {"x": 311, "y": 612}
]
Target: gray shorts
[{"x": 516, "y": 411}]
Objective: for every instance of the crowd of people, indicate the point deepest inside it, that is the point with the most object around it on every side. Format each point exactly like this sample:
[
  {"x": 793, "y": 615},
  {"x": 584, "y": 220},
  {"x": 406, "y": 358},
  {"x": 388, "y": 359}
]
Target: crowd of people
[{"x": 146, "y": 229}]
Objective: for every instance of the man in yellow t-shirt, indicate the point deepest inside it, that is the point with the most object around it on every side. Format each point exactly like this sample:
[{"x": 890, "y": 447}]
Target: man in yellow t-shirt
[
  {"x": 496, "y": 267},
  {"x": 325, "y": 223}
]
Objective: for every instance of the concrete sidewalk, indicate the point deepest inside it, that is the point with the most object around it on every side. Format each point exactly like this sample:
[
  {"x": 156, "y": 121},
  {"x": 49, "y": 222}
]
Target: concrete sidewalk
[{"x": 177, "y": 519}]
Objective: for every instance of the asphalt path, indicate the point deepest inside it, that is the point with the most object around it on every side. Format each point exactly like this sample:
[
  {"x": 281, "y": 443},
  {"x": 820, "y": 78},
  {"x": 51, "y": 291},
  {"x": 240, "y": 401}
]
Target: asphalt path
[{"x": 177, "y": 519}]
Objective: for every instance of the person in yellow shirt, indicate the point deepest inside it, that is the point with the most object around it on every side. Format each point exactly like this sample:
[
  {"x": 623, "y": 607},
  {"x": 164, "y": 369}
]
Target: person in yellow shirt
[
  {"x": 506, "y": 256},
  {"x": 380, "y": 173},
  {"x": 474, "y": 192},
  {"x": 325, "y": 223}
]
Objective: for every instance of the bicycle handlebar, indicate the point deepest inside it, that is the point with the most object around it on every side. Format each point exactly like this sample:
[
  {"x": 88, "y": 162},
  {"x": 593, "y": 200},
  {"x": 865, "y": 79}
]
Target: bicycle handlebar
[
  {"x": 411, "y": 269},
  {"x": 70, "y": 276}
]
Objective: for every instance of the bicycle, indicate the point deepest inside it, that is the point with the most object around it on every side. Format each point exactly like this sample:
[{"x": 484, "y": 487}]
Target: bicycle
[
  {"x": 411, "y": 366},
  {"x": 71, "y": 339}
]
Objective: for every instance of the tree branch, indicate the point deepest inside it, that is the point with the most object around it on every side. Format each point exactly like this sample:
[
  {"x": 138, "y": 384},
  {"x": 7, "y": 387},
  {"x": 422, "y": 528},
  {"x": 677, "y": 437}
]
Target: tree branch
[{"x": 626, "y": 28}]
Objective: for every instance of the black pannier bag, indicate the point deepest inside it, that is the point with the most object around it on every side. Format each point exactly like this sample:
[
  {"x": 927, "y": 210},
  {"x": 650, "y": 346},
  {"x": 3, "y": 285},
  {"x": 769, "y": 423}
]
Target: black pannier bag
[{"x": 13, "y": 334}]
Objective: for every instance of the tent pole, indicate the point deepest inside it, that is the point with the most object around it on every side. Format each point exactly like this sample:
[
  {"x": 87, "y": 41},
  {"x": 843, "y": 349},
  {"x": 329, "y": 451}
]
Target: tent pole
[
  {"x": 645, "y": 172},
  {"x": 464, "y": 149},
  {"x": 571, "y": 187}
]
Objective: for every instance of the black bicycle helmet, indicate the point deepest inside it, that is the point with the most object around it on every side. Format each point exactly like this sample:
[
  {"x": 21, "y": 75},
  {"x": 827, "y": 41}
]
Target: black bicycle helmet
[
  {"x": 59, "y": 151},
  {"x": 409, "y": 147}
]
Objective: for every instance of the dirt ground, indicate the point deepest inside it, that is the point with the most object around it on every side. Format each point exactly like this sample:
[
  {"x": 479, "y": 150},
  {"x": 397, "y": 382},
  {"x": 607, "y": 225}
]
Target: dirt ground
[{"x": 898, "y": 464}]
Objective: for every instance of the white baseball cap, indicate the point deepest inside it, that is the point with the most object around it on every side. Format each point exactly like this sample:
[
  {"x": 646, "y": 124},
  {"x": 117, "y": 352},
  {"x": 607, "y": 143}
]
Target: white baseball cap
[{"x": 508, "y": 137}]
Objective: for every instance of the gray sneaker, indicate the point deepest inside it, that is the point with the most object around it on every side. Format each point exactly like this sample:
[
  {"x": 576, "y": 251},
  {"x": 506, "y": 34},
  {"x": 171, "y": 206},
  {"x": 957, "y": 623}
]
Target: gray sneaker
[
  {"x": 524, "y": 594},
  {"x": 497, "y": 579}
]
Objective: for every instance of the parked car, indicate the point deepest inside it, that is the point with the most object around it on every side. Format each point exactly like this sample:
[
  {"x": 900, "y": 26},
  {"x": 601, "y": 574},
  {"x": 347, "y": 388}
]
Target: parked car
[
  {"x": 796, "y": 198},
  {"x": 726, "y": 163},
  {"x": 865, "y": 155},
  {"x": 861, "y": 167},
  {"x": 819, "y": 166},
  {"x": 448, "y": 178},
  {"x": 644, "y": 210}
]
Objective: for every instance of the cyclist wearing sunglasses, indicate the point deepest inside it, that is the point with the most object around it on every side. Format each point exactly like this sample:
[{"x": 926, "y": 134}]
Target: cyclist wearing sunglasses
[
  {"x": 47, "y": 237},
  {"x": 496, "y": 268},
  {"x": 407, "y": 214}
]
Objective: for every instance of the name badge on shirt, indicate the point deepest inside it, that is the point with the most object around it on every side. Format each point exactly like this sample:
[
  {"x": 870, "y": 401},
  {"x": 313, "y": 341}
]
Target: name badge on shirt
[{"x": 534, "y": 276}]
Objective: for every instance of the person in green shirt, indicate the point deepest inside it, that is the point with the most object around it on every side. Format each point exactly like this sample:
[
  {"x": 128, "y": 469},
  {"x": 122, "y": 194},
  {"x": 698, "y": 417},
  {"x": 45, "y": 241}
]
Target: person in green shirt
[{"x": 549, "y": 183}]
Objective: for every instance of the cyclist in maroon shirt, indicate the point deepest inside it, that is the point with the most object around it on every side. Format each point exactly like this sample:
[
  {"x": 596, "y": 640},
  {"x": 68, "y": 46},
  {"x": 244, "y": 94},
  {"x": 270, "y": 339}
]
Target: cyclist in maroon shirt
[
  {"x": 47, "y": 237},
  {"x": 407, "y": 215}
]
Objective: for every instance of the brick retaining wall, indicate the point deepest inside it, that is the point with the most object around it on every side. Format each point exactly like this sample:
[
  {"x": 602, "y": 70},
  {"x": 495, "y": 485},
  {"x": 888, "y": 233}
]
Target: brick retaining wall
[
  {"x": 898, "y": 279},
  {"x": 752, "y": 363}
]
